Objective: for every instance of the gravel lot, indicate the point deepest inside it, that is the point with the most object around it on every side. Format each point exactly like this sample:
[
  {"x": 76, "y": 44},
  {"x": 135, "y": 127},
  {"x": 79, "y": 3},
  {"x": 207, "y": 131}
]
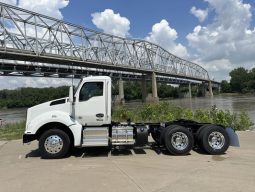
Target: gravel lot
[{"x": 22, "y": 169}]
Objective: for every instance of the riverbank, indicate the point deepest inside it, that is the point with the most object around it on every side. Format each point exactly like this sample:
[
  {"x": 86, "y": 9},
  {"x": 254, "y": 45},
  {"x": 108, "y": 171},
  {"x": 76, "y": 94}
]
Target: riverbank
[{"x": 235, "y": 94}]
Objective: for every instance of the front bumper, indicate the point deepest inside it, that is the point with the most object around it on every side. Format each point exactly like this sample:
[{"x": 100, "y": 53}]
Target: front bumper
[{"x": 28, "y": 138}]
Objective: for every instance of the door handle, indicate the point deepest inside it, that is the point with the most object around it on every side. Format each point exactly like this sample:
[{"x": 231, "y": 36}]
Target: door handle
[{"x": 100, "y": 115}]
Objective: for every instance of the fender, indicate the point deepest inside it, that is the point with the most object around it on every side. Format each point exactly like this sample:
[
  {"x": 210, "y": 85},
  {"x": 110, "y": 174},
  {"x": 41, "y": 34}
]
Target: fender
[
  {"x": 233, "y": 138},
  {"x": 59, "y": 117}
]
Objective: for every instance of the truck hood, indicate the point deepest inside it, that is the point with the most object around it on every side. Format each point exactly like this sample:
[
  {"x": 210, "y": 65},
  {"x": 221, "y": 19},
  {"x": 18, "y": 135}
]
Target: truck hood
[{"x": 61, "y": 104}]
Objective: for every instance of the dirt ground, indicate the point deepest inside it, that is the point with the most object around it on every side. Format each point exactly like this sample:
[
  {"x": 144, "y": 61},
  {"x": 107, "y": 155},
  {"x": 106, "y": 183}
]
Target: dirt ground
[{"x": 96, "y": 169}]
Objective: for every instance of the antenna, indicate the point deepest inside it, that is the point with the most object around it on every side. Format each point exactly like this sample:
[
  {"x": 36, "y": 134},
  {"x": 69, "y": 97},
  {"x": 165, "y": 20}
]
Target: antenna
[
  {"x": 72, "y": 74},
  {"x": 71, "y": 96}
]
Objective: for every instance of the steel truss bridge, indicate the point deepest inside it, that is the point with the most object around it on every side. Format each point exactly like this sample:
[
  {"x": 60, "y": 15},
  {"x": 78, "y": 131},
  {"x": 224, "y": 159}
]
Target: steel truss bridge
[{"x": 33, "y": 44}]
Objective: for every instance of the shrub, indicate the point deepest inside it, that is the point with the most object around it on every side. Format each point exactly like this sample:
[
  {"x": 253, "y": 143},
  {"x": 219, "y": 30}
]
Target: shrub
[{"x": 166, "y": 111}]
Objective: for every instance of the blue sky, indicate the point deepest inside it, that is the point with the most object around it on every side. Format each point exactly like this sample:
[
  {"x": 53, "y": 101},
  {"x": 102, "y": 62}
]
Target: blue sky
[
  {"x": 143, "y": 14},
  {"x": 217, "y": 34}
]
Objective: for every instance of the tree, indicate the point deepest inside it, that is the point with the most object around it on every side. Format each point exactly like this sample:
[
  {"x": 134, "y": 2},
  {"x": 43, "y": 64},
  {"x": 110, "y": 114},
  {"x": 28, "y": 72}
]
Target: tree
[
  {"x": 26, "y": 97},
  {"x": 239, "y": 77},
  {"x": 225, "y": 87}
]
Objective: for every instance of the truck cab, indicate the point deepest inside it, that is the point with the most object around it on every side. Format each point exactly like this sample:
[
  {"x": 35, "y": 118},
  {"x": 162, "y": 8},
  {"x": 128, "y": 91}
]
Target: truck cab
[
  {"x": 91, "y": 105},
  {"x": 84, "y": 120}
]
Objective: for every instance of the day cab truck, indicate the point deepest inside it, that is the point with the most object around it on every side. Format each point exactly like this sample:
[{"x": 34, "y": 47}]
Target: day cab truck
[{"x": 84, "y": 120}]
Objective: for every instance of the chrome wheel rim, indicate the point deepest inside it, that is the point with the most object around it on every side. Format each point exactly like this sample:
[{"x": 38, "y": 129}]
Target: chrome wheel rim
[
  {"x": 179, "y": 140},
  {"x": 53, "y": 144},
  {"x": 216, "y": 140}
]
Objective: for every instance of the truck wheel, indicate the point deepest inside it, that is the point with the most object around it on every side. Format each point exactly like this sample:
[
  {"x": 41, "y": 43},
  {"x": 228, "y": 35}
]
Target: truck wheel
[
  {"x": 54, "y": 144},
  {"x": 214, "y": 140},
  {"x": 199, "y": 135},
  {"x": 178, "y": 140}
]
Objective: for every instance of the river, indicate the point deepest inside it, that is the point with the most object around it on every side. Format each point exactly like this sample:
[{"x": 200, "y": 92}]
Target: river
[
  {"x": 13, "y": 115},
  {"x": 232, "y": 103}
]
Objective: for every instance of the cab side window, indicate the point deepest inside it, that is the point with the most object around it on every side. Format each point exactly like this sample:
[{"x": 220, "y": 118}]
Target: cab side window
[{"x": 91, "y": 89}]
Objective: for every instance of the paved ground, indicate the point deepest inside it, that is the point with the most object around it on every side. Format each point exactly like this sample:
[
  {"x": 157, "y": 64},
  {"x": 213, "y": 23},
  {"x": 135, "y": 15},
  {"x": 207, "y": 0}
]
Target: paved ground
[{"x": 21, "y": 169}]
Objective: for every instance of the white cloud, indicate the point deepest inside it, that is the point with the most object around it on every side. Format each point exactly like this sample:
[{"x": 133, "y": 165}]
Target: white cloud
[
  {"x": 46, "y": 7},
  {"x": 217, "y": 68},
  {"x": 11, "y": 2},
  {"x": 165, "y": 36},
  {"x": 111, "y": 22},
  {"x": 17, "y": 82},
  {"x": 199, "y": 13},
  {"x": 230, "y": 37}
]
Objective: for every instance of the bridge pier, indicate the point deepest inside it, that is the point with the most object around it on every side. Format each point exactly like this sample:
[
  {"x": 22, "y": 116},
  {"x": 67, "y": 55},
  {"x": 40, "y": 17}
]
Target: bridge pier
[
  {"x": 144, "y": 88},
  {"x": 154, "y": 85},
  {"x": 153, "y": 97},
  {"x": 203, "y": 89},
  {"x": 120, "y": 97},
  {"x": 219, "y": 89},
  {"x": 190, "y": 93},
  {"x": 210, "y": 89}
]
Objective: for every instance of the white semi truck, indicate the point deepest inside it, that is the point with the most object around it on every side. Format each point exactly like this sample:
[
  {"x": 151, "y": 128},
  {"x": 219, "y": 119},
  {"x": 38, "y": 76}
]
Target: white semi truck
[{"x": 84, "y": 120}]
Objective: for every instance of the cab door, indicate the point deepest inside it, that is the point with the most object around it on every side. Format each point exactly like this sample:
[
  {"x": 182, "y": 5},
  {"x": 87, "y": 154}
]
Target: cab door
[{"x": 90, "y": 105}]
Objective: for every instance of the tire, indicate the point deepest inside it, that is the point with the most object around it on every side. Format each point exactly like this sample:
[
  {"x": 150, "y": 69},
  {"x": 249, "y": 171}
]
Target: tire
[
  {"x": 172, "y": 137},
  {"x": 214, "y": 140},
  {"x": 54, "y": 144},
  {"x": 199, "y": 135}
]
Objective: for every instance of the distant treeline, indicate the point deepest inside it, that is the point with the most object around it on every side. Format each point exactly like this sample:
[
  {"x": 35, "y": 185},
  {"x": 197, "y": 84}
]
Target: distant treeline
[
  {"x": 27, "y": 97},
  {"x": 133, "y": 90},
  {"x": 242, "y": 81}
]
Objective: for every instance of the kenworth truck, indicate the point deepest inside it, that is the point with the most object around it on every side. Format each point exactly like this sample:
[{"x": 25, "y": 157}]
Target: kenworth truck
[{"x": 84, "y": 120}]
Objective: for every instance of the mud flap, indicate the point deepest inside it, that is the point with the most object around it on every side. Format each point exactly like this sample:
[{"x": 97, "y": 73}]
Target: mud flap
[{"x": 233, "y": 138}]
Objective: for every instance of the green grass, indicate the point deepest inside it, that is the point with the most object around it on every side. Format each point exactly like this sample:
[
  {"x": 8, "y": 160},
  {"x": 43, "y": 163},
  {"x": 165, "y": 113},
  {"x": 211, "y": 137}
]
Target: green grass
[{"x": 11, "y": 131}]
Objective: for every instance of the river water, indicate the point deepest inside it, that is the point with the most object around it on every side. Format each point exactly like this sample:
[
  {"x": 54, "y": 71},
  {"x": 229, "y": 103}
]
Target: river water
[
  {"x": 12, "y": 115},
  {"x": 232, "y": 103}
]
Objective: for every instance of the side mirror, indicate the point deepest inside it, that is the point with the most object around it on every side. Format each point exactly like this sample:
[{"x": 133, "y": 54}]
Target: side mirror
[{"x": 71, "y": 94}]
